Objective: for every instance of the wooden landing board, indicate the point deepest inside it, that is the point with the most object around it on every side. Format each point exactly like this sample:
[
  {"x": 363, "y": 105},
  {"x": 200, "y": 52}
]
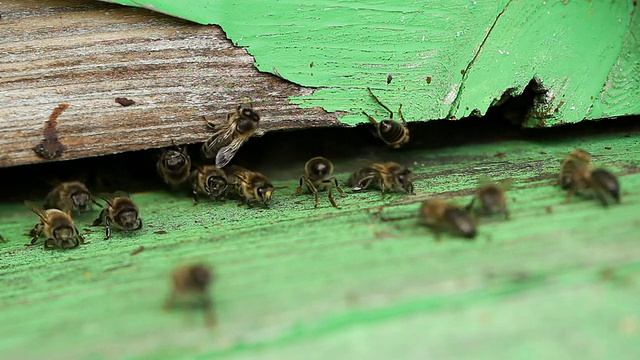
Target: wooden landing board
[{"x": 560, "y": 281}]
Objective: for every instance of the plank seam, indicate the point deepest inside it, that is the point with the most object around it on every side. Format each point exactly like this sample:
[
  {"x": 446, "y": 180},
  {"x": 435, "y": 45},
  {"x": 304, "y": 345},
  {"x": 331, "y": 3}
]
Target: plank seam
[{"x": 456, "y": 102}]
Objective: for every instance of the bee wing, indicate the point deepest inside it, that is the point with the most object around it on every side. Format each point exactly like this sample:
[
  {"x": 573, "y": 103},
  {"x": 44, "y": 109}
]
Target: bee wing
[
  {"x": 36, "y": 209},
  {"x": 228, "y": 152},
  {"x": 219, "y": 139}
]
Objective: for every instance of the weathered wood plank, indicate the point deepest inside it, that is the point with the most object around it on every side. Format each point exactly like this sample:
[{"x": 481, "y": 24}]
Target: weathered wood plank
[
  {"x": 583, "y": 53},
  {"x": 87, "y": 53}
]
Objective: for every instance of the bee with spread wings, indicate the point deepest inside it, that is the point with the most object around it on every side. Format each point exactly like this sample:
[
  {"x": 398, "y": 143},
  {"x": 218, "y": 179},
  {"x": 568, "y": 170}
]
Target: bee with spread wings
[{"x": 225, "y": 142}]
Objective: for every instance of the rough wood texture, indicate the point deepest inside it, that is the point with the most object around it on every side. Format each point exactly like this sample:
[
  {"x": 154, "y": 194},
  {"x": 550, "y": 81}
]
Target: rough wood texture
[{"x": 88, "y": 53}]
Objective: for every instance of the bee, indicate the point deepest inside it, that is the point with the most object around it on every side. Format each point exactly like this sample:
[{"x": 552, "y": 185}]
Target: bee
[
  {"x": 388, "y": 176},
  {"x": 191, "y": 289},
  {"x": 174, "y": 165},
  {"x": 393, "y": 133},
  {"x": 318, "y": 173},
  {"x": 69, "y": 196},
  {"x": 209, "y": 180},
  {"x": 57, "y": 227},
  {"x": 225, "y": 142},
  {"x": 575, "y": 170},
  {"x": 441, "y": 215},
  {"x": 119, "y": 210},
  {"x": 491, "y": 198},
  {"x": 578, "y": 176},
  {"x": 252, "y": 187}
]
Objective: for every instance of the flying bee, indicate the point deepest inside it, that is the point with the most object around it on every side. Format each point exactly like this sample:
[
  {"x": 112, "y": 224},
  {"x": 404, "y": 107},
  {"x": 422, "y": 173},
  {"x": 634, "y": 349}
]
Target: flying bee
[
  {"x": 388, "y": 176},
  {"x": 317, "y": 174},
  {"x": 69, "y": 196},
  {"x": 174, "y": 165},
  {"x": 225, "y": 142},
  {"x": 575, "y": 170},
  {"x": 444, "y": 216},
  {"x": 393, "y": 133},
  {"x": 120, "y": 211},
  {"x": 209, "y": 180},
  {"x": 191, "y": 289},
  {"x": 57, "y": 227},
  {"x": 491, "y": 198},
  {"x": 252, "y": 187}
]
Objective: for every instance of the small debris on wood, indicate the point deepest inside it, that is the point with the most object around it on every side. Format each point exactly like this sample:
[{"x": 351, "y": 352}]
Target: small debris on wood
[
  {"x": 499, "y": 155},
  {"x": 428, "y": 79},
  {"x": 160, "y": 232},
  {"x": 50, "y": 147},
  {"x": 137, "y": 251},
  {"x": 2, "y": 239},
  {"x": 311, "y": 65},
  {"x": 549, "y": 210},
  {"x": 124, "y": 101},
  {"x": 543, "y": 153},
  {"x": 607, "y": 147},
  {"x": 389, "y": 78},
  {"x": 462, "y": 71}
]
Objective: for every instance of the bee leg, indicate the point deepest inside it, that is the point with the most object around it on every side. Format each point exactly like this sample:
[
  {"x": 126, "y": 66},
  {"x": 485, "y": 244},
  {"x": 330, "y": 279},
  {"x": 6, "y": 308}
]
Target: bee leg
[
  {"x": 401, "y": 116},
  {"x": 98, "y": 221},
  {"x": 363, "y": 184},
  {"x": 302, "y": 179},
  {"x": 331, "y": 184},
  {"x": 107, "y": 227},
  {"x": 50, "y": 243},
  {"x": 312, "y": 189},
  {"x": 380, "y": 102},
  {"x": 209, "y": 124},
  {"x": 383, "y": 189},
  {"x": 195, "y": 193},
  {"x": 335, "y": 184},
  {"x": 35, "y": 234}
]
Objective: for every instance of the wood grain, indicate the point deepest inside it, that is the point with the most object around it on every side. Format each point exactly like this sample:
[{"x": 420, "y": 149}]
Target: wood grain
[{"x": 88, "y": 53}]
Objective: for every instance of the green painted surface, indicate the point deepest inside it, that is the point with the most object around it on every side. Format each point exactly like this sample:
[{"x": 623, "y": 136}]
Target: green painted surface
[
  {"x": 293, "y": 281},
  {"x": 585, "y": 53}
]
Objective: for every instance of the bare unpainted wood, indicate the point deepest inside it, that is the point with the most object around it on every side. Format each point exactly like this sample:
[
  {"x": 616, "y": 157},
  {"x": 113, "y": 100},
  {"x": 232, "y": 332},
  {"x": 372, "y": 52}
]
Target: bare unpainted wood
[{"x": 88, "y": 53}]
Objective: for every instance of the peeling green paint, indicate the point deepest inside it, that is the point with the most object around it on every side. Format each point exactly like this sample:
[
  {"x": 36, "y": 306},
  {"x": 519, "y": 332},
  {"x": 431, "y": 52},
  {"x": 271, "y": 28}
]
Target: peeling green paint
[{"x": 583, "y": 52}]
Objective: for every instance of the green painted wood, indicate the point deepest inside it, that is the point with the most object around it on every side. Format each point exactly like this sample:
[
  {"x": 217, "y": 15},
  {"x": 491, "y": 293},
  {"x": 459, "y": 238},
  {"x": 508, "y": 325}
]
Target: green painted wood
[
  {"x": 447, "y": 59},
  {"x": 556, "y": 281}
]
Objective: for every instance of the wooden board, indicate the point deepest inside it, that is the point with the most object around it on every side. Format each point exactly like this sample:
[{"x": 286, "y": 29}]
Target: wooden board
[
  {"x": 446, "y": 58},
  {"x": 558, "y": 280},
  {"x": 87, "y": 53}
]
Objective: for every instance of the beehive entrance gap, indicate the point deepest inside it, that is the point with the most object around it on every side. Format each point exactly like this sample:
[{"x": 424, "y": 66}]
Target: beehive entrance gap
[{"x": 281, "y": 154}]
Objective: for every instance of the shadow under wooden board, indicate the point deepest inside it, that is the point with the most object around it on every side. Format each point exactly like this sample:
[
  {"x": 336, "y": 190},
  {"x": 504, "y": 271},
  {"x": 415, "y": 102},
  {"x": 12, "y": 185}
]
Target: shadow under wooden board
[
  {"x": 91, "y": 53},
  {"x": 559, "y": 280}
]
